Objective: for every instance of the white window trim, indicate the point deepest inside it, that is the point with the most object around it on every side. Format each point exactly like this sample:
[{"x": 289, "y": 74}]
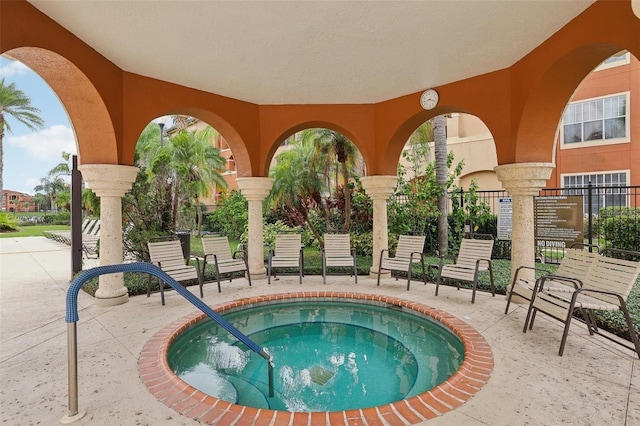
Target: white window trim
[
  {"x": 603, "y": 66},
  {"x": 596, "y": 172},
  {"x": 601, "y": 142}
]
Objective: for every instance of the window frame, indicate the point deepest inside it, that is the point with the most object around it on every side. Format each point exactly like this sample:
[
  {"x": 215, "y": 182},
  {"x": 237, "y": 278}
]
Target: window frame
[
  {"x": 604, "y": 194},
  {"x": 598, "y": 142}
]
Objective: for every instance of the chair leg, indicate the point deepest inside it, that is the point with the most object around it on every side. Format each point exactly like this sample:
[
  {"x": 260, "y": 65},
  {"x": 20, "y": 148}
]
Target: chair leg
[
  {"x": 200, "y": 277},
  {"x": 567, "y": 323},
  {"x": 269, "y": 272},
  {"x": 493, "y": 287},
  {"x": 355, "y": 268},
  {"x": 161, "y": 291},
  {"x": 218, "y": 278},
  {"x": 438, "y": 282},
  {"x": 632, "y": 331},
  {"x": 246, "y": 264},
  {"x": 409, "y": 277},
  {"x": 509, "y": 294},
  {"x": 324, "y": 270},
  {"x": 380, "y": 267}
]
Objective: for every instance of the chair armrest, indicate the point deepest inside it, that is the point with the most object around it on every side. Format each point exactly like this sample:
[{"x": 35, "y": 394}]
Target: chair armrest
[{"x": 540, "y": 282}]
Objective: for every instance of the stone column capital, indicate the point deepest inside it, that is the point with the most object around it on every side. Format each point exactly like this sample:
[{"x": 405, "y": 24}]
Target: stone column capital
[
  {"x": 109, "y": 180},
  {"x": 380, "y": 186},
  {"x": 524, "y": 178},
  {"x": 255, "y": 188}
]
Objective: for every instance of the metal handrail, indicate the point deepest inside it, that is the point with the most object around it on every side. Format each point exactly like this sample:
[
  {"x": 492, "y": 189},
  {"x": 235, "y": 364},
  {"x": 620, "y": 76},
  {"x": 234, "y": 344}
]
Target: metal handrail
[{"x": 71, "y": 319}]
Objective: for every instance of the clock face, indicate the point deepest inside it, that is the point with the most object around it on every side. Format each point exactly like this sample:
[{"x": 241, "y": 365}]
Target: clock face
[{"x": 429, "y": 99}]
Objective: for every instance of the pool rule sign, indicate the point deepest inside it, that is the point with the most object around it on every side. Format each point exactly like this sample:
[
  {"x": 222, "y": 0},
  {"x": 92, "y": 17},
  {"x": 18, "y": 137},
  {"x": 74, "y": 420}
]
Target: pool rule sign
[{"x": 558, "y": 221}]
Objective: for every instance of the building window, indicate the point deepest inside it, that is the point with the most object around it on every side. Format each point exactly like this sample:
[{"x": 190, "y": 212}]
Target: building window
[
  {"x": 620, "y": 58},
  {"x": 609, "y": 189},
  {"x": 599, "y": 119}
]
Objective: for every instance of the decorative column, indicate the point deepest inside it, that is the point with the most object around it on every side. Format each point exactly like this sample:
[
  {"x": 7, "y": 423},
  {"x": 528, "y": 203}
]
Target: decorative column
[
  {"x": 110, "y": 182},
  {"x": 523, "y": 181},
  {"x": 255, "y": 190},
  {"x": 379, "y": 188}
]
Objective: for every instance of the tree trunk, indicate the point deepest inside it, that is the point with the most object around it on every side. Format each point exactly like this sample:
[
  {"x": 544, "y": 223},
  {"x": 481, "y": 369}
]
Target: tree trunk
[
  {"x": 440, "y": 142},
  {"x": 347, "y": 198}
]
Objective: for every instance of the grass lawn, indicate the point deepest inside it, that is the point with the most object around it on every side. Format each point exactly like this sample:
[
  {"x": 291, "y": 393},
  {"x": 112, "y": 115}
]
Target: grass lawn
[{"x": 34, "y": 230}]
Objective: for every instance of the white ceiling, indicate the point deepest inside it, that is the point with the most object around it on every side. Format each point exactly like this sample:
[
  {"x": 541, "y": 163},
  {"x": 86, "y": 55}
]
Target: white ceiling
[{"x": 309, "y": 52}]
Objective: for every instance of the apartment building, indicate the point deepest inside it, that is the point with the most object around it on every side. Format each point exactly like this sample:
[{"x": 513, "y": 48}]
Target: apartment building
[{"x": 14, "y": 201}]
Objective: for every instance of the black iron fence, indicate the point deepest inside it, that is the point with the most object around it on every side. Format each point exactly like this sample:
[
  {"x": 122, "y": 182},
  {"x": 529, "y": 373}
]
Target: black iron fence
[{"x": 611, "y": 217}]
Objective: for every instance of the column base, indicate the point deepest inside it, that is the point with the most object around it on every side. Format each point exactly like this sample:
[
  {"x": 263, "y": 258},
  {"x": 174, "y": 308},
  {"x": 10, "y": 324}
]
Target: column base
[
  {"x": 111, "y": 301},
  {"x": 70, "y": 419},
  {"x": 384, "y": 275},
  {"x": 259, "y": 274}
]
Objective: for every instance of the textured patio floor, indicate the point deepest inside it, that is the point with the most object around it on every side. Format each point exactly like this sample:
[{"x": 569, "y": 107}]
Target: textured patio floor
[{"x": 594, "y": 383}]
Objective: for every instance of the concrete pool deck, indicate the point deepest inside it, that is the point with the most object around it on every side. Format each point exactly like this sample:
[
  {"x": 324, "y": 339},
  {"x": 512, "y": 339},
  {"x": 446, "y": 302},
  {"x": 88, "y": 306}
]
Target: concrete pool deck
[{"x": 594, "y": 383}]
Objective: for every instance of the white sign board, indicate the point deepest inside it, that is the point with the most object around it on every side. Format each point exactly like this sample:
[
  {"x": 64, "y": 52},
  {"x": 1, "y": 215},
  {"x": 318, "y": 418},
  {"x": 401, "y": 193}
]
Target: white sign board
[{"x": 505, "y": 213}]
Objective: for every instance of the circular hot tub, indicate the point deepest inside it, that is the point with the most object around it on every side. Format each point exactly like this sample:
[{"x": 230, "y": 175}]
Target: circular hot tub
[{"x": 335, "y": 356}]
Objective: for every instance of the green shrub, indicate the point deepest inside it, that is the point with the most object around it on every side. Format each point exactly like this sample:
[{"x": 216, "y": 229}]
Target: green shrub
[
  {"x": 620, "y": 228},
  {"x": 8, "y": 223},
  {"x": 230, "y": 217}
]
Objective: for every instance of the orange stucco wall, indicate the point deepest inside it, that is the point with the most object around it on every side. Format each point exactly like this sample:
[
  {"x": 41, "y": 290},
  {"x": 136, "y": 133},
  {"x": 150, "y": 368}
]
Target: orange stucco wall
[{"x": 520, "y": 105}]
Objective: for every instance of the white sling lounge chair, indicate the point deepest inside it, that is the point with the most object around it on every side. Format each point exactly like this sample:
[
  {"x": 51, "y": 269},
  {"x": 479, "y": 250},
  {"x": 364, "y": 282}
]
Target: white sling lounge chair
[
  {"x": 605, "y": 287},
  {"x": 168, "y": 256},
  {"x": 474, "y": 257},
  {"x": 218, "y": 251},
  {"x": 287, "y": 253},
  {"x": 408, "y": 252},
  {"x": 575, "y": 264},
  {"x": 337, "y": 252}
]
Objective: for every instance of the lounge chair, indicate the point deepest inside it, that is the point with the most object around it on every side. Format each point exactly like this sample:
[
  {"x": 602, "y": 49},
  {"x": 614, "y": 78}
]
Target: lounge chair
[
  {"x": 408, "y": 252},
  {"x": 575, "y": 264},
  {"x": 168, "y": 256},
  {"x": 606, "y": 287},
  {"x": 337, "y": 252},
  {"x": 217, "y": 248},
  {"x": 287, "y": 253},
  {"x": 473, "y": 257}
]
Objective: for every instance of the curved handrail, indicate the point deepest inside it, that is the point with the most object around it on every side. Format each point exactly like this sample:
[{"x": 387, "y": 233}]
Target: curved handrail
[
  {"x": 84, "y": 276},
  {"x": 71, "y": 318}
]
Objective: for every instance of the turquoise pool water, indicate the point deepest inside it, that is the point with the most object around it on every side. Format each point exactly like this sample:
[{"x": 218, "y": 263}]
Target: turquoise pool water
[{"x": 327, "y": 355}]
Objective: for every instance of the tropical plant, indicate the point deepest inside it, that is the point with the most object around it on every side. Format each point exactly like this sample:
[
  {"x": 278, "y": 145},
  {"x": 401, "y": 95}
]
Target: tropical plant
[
  {"x": 331, "y": 147},
  {"x": 440, "y": 153},
  {"x": 8, "y": 223},
  {"x": 15, "y": 104},
  {"x": 297, "y": 185},
  {"x": 51, "y": 187},
  {"x": 230, "y": 216},
  {"x": 197, "y": 167}
]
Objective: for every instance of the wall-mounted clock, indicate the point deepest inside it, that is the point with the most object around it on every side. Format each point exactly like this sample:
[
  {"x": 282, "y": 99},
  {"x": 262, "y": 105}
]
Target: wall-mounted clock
[{"x": 429, "y": 99}]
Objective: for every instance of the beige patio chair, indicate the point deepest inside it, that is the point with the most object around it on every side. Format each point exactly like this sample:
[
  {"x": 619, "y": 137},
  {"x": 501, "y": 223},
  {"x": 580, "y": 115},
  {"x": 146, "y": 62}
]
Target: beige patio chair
[
  {"x": 168, "y": 256},
  {"x": 337, "y": 252},
  {"x": 605, "y": 287},
  {"x": 575, "y": 264},
  {"x": 287, "y": 253},
  {"x": 408, "y": 252},
  {"x": 473, "y": 257},
  {"x": 218, "y": 249}
]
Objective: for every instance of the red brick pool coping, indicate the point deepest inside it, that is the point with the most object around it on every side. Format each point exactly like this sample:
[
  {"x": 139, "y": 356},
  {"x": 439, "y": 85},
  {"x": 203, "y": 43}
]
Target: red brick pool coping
[{"x": 189, "y": 401}]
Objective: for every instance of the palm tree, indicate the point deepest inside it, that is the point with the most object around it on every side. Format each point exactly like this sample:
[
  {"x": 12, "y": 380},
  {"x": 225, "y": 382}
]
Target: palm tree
[
  {"x": 197, "y": 167},
  {"x": 17, "y": 105},
  {"x": 440, "y": 151},
  {"x": 329, "y": 145},
  {"x": 50, "y": 187},
  {"x": 297, "y": 185}
]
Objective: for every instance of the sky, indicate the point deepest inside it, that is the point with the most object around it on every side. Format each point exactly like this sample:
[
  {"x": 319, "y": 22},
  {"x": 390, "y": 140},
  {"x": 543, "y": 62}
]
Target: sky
[{"x": 28, "y": 156}]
